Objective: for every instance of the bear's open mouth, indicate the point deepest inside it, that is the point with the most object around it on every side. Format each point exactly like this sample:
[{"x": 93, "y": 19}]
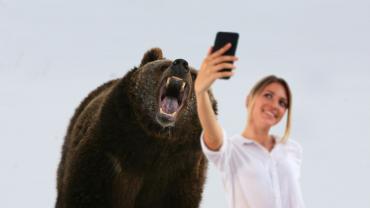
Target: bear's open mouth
[{"x": 172, "y": 96}]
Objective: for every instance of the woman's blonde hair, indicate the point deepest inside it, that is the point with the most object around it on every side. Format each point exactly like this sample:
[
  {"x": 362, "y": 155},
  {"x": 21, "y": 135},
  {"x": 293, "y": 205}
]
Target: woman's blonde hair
[{"x": 258, "y": 88}]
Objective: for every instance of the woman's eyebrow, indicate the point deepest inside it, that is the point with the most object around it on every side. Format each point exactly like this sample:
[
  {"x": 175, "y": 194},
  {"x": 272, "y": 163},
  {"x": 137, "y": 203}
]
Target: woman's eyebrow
[
  {"x": 284, "y": 99},
  {"x": 270, "y": 91}
]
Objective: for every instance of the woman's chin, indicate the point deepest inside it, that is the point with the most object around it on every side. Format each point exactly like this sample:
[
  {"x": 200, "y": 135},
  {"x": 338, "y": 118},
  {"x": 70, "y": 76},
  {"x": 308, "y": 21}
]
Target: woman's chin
[{"x": 268, "y": 123}]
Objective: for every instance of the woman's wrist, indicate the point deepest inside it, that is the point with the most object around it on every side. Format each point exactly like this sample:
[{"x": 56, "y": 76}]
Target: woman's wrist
[{"x": 200, "y": 93}]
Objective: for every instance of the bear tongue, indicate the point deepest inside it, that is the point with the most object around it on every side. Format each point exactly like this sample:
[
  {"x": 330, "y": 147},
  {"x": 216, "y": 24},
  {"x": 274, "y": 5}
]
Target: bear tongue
[{"x": 169, "y": 104}]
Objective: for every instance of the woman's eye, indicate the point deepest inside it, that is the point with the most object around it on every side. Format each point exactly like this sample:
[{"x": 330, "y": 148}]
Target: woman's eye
[
  {"x": 268, "y": 95},
  {"x": 283, "y": 104}
]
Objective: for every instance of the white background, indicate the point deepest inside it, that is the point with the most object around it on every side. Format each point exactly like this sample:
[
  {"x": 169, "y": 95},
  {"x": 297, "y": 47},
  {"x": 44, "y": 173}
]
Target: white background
[{"x": 53, "y": 52}]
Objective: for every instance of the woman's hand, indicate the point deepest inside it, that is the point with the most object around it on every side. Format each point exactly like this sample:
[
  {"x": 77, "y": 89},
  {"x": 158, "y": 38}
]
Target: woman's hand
[{"x": 210, "y": 67}]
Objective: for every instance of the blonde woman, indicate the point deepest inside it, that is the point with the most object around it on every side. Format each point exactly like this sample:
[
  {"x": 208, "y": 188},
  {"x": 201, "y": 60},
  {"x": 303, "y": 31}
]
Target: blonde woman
[{"x": 259, "y": 170}]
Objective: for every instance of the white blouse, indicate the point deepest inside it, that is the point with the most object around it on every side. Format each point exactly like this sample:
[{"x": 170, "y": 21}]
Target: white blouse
[{"x": 256, "y": 178}]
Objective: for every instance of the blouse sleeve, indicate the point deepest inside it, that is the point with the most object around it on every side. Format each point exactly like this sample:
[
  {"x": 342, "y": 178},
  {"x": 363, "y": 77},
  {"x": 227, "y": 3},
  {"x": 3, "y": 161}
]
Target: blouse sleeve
[
  {"x": 295, "y": 151},
  {"x": 219, "y": 157}
]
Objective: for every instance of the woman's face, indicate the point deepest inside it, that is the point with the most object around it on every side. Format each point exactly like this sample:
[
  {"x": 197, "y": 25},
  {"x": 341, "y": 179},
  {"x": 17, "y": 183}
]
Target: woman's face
[{"x": 270, "y": 105}]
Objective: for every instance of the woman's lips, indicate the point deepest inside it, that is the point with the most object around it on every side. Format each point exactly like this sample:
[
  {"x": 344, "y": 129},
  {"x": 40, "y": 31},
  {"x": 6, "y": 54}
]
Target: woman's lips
[{"x": 270, "y": 114}]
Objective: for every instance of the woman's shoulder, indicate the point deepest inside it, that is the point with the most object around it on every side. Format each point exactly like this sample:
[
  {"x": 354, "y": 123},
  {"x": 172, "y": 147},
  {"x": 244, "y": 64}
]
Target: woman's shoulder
[
  {"x": 292, "y": 151},
  {"x": 293, "y": 146}
]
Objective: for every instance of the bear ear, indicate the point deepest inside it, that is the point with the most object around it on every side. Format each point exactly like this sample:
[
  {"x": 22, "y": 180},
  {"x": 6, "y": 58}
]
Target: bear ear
[{"x": 151, "y": 55}]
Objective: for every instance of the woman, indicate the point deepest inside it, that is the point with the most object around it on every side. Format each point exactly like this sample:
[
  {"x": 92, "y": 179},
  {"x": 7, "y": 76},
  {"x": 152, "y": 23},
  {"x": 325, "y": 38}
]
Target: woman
[{"x": 259, "y": 170}]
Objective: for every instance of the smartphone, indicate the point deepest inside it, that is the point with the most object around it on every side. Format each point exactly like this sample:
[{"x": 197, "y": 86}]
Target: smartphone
[{"x": 222, "y": 38}]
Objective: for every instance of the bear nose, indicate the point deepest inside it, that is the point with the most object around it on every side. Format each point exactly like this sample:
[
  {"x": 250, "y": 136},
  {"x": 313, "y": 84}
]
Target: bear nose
[{"x": 180, "y": 67}]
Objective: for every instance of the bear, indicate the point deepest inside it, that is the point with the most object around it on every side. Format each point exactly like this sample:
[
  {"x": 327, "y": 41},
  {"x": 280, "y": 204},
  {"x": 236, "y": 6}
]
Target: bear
[{"x": 134, "y": 142}]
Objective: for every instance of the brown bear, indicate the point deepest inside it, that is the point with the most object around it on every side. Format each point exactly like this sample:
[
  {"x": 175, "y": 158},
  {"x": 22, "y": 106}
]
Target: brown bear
[{"x": 134, "y": 141}]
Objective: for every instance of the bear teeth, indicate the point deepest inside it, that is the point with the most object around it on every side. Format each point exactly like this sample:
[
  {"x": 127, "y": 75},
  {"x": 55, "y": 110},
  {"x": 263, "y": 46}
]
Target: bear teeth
[
  {"x": 168, "y": 82},
  {"x": 183, "y": 87},
  {"x": 177, "y": 78},
  {"x": 172, "y": 114}
]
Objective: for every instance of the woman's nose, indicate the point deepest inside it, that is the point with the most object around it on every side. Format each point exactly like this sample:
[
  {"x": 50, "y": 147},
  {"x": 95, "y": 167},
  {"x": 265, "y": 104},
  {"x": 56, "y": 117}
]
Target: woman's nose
[{"x": 275, "y": 105}]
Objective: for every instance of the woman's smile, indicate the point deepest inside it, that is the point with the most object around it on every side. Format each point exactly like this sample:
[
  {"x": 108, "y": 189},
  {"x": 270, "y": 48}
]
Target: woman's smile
[{"x": 270, "y": 114}]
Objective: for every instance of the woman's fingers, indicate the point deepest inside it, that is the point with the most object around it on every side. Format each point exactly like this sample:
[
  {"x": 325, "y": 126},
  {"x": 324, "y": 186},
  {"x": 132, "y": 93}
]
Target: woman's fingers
[
  {"x": 220, "y": 51},
  {"x": 209, "y": 51},
  {"x": 224, "y": 74},
  {"x": 210, "y": 68},
  {"x": 223, "y": 59},
  {"x": 218, "y": 67}
]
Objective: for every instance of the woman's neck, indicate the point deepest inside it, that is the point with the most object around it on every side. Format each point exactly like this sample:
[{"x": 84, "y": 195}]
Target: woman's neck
[{"x": 259, "y": 135}]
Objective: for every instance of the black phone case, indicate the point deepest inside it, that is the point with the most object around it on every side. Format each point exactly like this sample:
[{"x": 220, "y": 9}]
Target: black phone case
[{"x": 222, "y": 38}]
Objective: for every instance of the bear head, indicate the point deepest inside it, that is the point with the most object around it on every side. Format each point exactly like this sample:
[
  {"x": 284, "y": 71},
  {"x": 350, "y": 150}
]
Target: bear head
[{"x": 162, "y": 94}]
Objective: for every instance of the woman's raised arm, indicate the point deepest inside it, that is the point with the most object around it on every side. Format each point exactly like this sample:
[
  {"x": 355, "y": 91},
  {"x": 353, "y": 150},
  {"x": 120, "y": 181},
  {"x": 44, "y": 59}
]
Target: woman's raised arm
[{"x": 208, "y": 73}]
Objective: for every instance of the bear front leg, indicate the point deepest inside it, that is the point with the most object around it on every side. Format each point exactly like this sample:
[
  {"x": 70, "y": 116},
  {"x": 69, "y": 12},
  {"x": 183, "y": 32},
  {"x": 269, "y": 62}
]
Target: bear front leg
[
  {"x": 186, "y": 190},
  {"x": 184, "y": 196},
  {"x": 87, "y": 180}
]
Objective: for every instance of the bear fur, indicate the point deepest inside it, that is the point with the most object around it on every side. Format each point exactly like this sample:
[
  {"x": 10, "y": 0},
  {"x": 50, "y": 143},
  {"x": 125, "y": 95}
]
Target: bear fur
[{"x": 121, "y": 151}]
